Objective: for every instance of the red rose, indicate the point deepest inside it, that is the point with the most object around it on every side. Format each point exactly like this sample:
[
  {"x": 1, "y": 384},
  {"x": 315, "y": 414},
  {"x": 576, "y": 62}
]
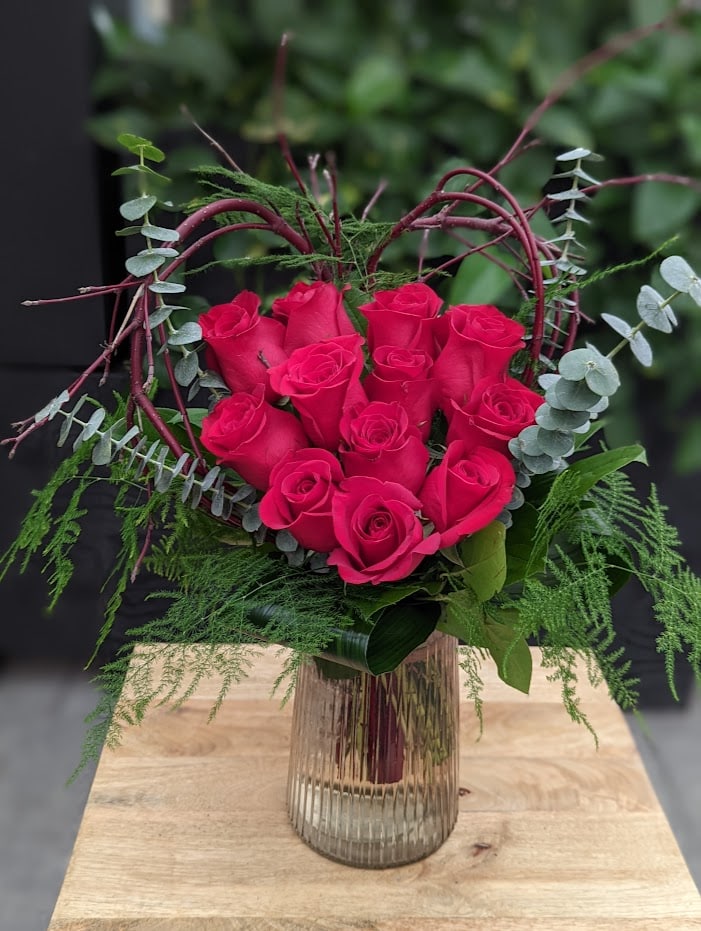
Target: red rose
[
  {"x": 299, "y": 498},
  {"x": 380, "y": 442},
  {"x": 312, "y": 312},
  {"x": 380, "y": 536},
  {"x": 244, "y": 343},
  {"x": 469, "y": 488},
  {"x": 403, "y": 317},
  {"x": 251, "y": 436},
  {"x": 496, "y": 412},
  {"x": 403, "y": 375},
  {"x": 477, "y": 342},
  {"x": 322, "y": 380}
]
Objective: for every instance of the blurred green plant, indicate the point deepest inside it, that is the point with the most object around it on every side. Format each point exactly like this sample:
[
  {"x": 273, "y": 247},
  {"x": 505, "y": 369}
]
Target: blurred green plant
[{"x": 399, "y": 91}]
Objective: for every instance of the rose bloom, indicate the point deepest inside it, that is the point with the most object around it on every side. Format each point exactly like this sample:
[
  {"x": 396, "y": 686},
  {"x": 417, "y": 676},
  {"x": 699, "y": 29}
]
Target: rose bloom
[
  {"x": 311, "y": 313},
  {"x": 299, "y": 498},
  {"x": 322, "y": 380},
  {"x": 466, "y": 491},
  {"x": 379, "y": 441},
  {"x": 251, "y": 436},
  {"x": 477, "y": 342},
  {"x": 243, "y": 342},
  {"x": 404, "y": 317},
  {"x": 380, "y": 537},
  {"x": 404, "y": 376},
  {"x": 496, "y": 412}
]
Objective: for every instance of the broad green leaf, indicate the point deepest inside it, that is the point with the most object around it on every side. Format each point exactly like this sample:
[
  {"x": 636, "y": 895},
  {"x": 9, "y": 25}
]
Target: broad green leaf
[
  {"x": 463, "y": 617},
  {"x": 135, "y": 209},
  {"x": 196, "y": 415},
  {"x": 139, "y": 170},
  {"x": 484, "y": 556},
  {"x": 137, "y": 145},
  {"x": 479, "y": 281},
  {"x": 386, "y": 597},
  {"x": 400, "y": 630},
  {"x": 592, "y": 469},
  {"x": 519, "y": 546},
  {"x": 510, "y": 653}
]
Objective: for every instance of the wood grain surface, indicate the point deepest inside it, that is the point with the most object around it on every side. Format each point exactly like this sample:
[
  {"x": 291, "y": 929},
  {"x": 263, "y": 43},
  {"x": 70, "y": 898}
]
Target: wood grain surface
[{"x": 186, "y": 830}]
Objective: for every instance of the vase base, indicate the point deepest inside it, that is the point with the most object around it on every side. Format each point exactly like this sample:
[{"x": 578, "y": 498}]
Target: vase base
[{"x": 368, "y": 827}]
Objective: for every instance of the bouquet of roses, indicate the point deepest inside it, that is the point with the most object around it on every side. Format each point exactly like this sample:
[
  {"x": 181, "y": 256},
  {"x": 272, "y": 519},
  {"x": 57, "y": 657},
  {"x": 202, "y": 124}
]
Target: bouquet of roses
[
  {"x": 347, "y": 466},
  {"x": 370, "y": 463}
]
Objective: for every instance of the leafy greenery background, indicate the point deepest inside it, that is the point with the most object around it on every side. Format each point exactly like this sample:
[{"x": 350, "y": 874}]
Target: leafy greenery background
[{"x": 399, "y": 92}]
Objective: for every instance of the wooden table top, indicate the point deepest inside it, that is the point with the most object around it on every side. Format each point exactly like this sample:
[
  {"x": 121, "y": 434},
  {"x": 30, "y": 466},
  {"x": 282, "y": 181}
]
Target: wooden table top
[{"x": 185, "y": 829}]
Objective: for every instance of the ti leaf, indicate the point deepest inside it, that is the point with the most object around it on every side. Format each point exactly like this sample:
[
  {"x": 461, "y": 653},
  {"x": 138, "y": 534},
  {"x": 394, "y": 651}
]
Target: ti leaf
[
  {"x": 511, "y": 654},
  {"x": 592, "y": 469},
  {"x": 380, "y": 648},
  {"x": 484, "y": 556}
]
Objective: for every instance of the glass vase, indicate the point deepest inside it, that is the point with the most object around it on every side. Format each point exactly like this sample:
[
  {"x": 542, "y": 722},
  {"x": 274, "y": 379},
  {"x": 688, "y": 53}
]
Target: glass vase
[{"x": 373, "y": 773}]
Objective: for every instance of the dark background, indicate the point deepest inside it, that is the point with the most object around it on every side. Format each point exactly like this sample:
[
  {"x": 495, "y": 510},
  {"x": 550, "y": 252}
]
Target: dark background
[{"x": 52, "y": 244}]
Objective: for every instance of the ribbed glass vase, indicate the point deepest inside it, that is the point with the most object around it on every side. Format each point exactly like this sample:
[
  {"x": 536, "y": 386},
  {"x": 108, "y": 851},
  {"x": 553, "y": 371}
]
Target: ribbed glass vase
[{"x": 373, "y": 777}]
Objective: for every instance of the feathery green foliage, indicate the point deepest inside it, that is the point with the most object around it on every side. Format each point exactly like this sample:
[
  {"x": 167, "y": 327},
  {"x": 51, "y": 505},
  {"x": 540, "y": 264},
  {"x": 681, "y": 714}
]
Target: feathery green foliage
[
  {"x": 49, "y": 532},
  {"x": 568, "y": 607},
  {"x": 228, "y": 599}
]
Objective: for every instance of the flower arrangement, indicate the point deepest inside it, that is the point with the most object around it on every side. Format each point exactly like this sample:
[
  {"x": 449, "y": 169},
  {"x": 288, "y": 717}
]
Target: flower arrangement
[{"x": 354, "y": 462}]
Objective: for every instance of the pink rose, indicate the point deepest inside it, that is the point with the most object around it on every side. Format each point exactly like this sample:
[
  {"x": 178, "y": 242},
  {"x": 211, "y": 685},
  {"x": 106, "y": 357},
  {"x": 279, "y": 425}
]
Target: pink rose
[
  {"x": 251, "y": 436},
  {"x": 469, "y": 488},
  {"x": 322, "y": 380},
  {"x": 380, "y": 537},
  {"x": 299, "y": 498},
  {"x": 380, "y": 442},
  {"x": 312, "y": 312},
  {"x": 404, "y": 376},
  {"x": 244, "y": 343},
  {"x": 403, "y": 317},
  {"x": 496, "y": 412},
  {"x": 477, "y": 342}
]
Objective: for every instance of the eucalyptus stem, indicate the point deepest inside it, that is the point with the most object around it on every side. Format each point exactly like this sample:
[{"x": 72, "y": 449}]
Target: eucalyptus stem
[{"x": 638, "y": 327}]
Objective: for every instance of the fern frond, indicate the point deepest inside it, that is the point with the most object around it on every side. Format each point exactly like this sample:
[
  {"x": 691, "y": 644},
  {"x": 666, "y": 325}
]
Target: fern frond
[
  {"x": 654, "y": 548},
  {"x": 53, "y": 534},
  {"x": 469, "y": 663}
]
